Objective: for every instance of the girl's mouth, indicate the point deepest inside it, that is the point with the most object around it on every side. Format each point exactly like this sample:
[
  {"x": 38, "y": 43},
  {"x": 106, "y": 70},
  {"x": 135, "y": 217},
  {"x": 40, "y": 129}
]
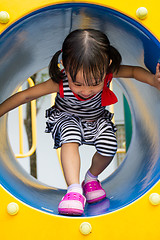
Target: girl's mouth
[{"x": 85, "y": 96}]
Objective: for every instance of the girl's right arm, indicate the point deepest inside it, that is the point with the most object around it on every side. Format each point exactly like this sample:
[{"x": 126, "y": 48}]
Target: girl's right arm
[{"x": 28, "y": 95}]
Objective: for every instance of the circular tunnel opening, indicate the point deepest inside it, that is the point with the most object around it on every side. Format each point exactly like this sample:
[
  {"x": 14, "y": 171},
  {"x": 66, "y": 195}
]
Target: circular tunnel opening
[{"x": 28, "y": 45}]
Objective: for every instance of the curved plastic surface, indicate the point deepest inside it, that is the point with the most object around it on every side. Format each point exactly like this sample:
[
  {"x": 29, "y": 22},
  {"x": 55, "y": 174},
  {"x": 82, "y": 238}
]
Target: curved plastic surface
[{"x": 28, "y": 45}]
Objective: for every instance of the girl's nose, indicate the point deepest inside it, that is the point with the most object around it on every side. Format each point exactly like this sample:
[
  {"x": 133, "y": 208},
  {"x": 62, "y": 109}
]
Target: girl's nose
[{"x": 86, "y": 93}]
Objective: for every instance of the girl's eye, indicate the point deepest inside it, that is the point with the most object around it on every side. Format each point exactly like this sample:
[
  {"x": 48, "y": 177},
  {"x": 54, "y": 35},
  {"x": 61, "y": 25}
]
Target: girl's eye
[
  {"x": 93, "y": 85},
  {"x": 97, "y": 84}
]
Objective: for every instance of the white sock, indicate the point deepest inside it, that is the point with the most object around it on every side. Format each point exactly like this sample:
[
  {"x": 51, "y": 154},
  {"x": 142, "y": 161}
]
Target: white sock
[
  {"x": 89, "y": 177},
  {"x": 74, "y": 188}
]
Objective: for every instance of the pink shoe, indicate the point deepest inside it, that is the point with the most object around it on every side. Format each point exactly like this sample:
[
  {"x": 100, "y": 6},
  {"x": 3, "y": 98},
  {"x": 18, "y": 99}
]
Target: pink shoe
[
  {"x": 93, "y": 191},
  {"x": 72, "y": 204}
]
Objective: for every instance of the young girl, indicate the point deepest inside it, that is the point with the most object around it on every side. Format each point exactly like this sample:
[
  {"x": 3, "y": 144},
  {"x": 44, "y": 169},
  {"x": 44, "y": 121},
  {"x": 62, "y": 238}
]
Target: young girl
[{"x": 79, "y": 115}]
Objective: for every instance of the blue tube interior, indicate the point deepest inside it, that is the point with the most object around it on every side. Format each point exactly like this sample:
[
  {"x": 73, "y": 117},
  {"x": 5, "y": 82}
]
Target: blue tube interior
[{"x": 28, "y": 45}]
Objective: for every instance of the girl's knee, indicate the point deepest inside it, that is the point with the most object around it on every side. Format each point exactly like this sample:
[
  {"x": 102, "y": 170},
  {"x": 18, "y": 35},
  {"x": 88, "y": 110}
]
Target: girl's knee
[
  {"x": 70, "y": 145},
  {"x": 104, "y": 156}
]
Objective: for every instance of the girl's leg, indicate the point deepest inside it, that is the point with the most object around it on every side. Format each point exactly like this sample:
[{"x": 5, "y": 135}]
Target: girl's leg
[
  {"x": 73, "y": 202},
  {"x": 92, "y": 188},
  {"x": 70, "y": 162},
  {"x": 106, "y": 144},
  {"x": 99, "y": 163}
]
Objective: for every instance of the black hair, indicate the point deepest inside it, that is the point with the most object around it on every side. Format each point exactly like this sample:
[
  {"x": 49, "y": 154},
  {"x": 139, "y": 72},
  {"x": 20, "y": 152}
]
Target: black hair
[{"x": 88, "y": 50}]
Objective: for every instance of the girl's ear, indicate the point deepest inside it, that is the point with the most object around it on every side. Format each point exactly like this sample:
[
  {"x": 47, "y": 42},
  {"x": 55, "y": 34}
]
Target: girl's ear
[{"x": 110, "y": 62}]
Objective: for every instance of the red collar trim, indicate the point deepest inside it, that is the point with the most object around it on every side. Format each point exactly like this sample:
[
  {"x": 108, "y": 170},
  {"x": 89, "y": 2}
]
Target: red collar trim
[
  {"x": 61, "y": 92},
  {"x": 108, "y": 97}
]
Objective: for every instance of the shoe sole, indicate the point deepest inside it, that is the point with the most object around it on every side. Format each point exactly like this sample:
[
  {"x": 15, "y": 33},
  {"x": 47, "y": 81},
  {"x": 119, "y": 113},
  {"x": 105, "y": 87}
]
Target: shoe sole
[
  {"x": 96, "y": 199},
  {"x": 70, "y": 212}
]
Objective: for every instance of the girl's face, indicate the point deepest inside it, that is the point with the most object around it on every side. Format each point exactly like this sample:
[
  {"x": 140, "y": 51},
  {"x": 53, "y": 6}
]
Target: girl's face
[{"x": 81, "y": 89}]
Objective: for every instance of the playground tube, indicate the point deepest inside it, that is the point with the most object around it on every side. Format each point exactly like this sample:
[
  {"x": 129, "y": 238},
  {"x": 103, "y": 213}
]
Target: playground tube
[{"x": 27, "y": 46}]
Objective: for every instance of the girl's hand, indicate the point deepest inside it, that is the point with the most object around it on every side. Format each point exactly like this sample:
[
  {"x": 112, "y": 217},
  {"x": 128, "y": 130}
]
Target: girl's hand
[{"x": 157, "y": 77}]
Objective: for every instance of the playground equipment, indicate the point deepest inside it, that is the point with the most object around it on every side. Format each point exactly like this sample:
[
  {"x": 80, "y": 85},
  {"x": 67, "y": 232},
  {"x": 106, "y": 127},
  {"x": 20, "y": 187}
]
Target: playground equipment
[{"x": 36, "y": 29}]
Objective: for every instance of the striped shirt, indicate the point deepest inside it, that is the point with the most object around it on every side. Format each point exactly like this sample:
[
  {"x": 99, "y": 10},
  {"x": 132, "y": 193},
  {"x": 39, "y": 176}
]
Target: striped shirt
[
  {"x": 67, "y": 101},
  {"x": 73, "y": 119}
]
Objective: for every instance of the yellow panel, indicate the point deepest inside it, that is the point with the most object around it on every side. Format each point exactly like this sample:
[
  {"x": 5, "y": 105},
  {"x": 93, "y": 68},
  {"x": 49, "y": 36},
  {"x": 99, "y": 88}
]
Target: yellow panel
[{"x": 140, "y": 221}]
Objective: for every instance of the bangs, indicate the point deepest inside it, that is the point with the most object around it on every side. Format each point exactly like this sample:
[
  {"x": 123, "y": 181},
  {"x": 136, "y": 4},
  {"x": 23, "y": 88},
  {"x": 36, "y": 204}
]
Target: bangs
[{"x": 94, "y": 70}]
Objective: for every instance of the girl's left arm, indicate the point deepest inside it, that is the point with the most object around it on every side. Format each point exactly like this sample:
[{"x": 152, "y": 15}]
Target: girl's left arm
[{"x": 140, "y": 74}]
